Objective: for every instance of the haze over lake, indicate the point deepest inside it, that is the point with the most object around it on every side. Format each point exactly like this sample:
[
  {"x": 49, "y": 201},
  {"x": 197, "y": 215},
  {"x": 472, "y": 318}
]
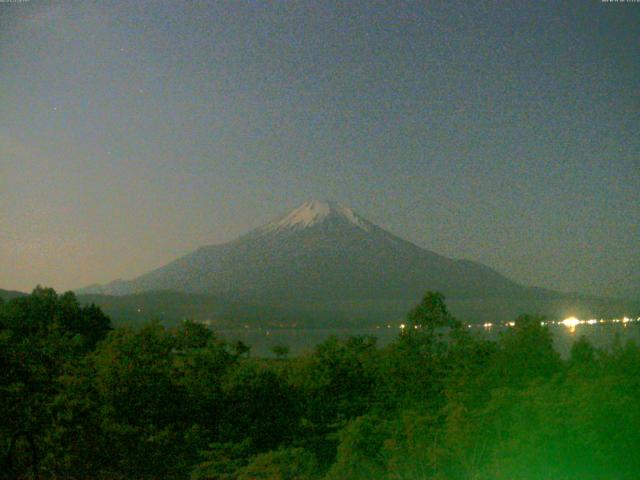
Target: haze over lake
[{"x": 303, "y": 340}]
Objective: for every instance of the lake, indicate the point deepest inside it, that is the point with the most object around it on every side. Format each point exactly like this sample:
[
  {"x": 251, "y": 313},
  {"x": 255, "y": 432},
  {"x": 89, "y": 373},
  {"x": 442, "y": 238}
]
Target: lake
[{"x": 601, "y": 333}]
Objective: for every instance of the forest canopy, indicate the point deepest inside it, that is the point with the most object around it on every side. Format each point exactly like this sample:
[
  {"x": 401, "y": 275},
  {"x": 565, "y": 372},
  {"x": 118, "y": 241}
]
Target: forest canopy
[{"x": 80, "y": 399}]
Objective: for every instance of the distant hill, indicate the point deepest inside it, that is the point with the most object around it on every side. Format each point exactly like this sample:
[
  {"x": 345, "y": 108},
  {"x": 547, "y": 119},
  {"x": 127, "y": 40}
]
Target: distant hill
[
  {"x": 171, "y": 307},
  {"x": 325, "y": 262},
  {"x": 9, "y": 294}
]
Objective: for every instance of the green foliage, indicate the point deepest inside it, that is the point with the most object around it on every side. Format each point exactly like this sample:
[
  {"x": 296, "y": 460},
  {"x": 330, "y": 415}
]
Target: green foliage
[
  {"x": 526, "y": 353},
  {"x": 261, "y": 407},
  {"x": 222, "y": 461},
  {"x": 134, "y": 376},
  {"x": 240, "y": 348},
  {"x": 281, "y": 464},
  {"x": 360, "y": 451},
  {"x": 280, "y": 351},
  {"x": 191, "y": 334},
  {"x": 200, "y": 373},
  {"x": 430, "y": 313},
  {"x": 335, "y": 384},
  {"x": 42, "y": 337},
  {"x": 44, "y": 312}
]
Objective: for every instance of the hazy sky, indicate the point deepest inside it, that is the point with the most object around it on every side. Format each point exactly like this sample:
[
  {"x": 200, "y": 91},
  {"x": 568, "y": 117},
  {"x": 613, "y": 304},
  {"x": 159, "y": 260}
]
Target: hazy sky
[{"x": 503, "y": 132}]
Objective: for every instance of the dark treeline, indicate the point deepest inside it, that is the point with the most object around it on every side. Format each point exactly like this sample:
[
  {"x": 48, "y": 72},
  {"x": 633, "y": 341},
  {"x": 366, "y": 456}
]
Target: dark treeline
[{"x": 103, "y": 403}]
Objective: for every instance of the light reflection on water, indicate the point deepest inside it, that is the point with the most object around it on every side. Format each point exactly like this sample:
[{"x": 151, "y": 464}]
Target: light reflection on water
[{"x": 602, "y": 333}]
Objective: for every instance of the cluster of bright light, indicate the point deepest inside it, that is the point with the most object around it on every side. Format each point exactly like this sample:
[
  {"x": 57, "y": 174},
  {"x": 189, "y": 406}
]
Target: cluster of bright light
[{"x": 570, "y": 322}]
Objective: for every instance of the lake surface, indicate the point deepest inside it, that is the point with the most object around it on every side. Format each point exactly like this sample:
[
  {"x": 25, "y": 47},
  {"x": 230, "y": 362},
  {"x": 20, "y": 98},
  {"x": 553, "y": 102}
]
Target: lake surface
[{"x": 601, "y": 333}]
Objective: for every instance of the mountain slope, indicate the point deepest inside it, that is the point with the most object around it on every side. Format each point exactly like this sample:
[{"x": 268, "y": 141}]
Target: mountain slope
[{"x": 320, "y": 251}]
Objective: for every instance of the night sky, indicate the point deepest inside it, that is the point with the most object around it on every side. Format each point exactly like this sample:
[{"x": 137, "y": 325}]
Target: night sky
[{"x": 133, "y": 132}]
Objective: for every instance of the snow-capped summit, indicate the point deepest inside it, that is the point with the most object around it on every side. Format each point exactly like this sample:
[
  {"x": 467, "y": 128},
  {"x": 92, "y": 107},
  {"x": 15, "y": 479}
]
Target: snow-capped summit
[{"x": 314, "y": 212}]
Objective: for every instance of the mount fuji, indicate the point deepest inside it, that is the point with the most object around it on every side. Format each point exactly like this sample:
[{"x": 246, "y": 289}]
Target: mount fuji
[{"x": 324, "y": 259}]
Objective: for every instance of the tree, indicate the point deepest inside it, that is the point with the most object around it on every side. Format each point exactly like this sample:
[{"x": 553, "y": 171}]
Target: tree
[
  {"x": 221, "y": 461},
  {"x": 240, "y": 348},
  {"x": 44, "y": 312},
  {"x": 360, "y": 452},
  {"x": 259, "y": 406},
  {"x": 336, "y": 383},
  {"x": 525, "y": 352},
  {"x": 200, "y": 372},
  {"x": 280, "y": 351},
  {"x": 43, "y": 337},
  {"x": 414, "y": 366},
  {"x": 145, "y": 413},
  {"x": 192, "y": 334},
  {"x": 430, "y": 313},
  {"x": 281, "y": 464},
  {"x": 583, "y": 357}
]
